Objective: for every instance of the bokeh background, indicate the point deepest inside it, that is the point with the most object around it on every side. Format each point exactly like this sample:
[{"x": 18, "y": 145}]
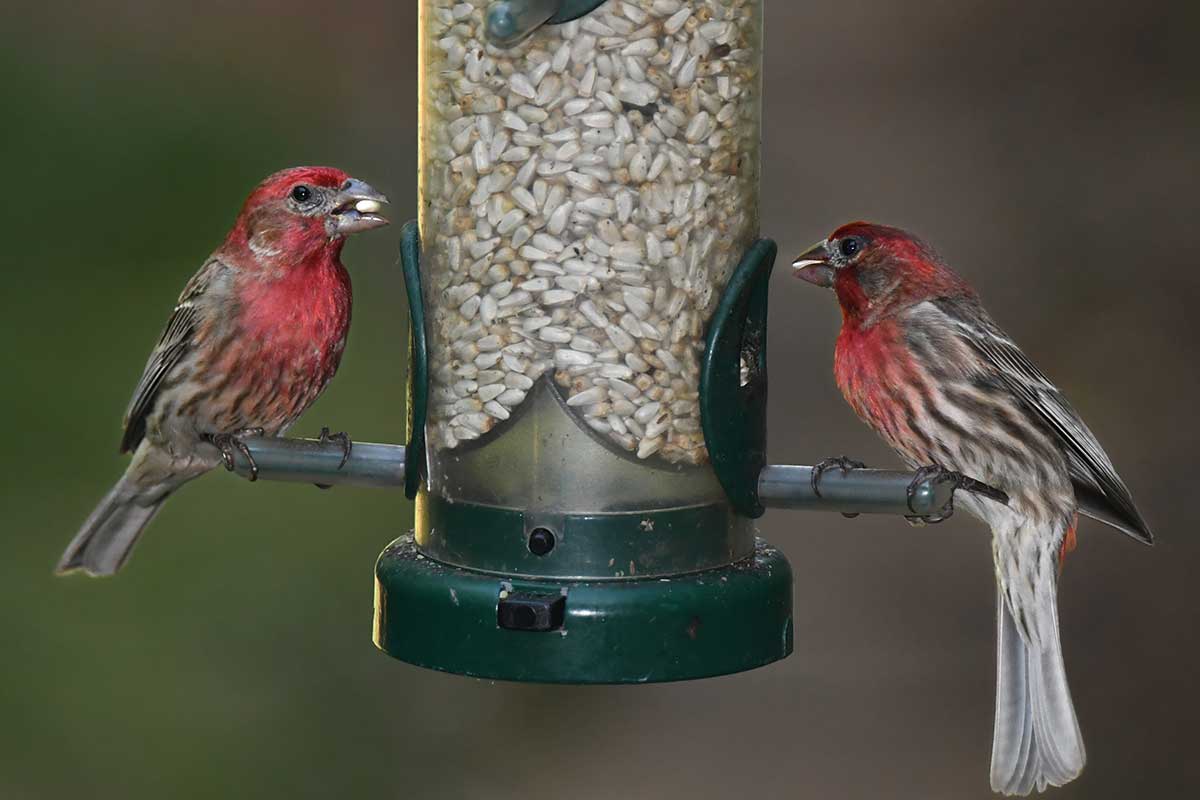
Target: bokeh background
[{"x": 1048, "y": 150}]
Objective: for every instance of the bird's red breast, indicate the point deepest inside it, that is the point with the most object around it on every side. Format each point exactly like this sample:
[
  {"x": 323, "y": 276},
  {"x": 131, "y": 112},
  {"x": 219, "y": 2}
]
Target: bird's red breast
[
  {"x": 876, "y": 374},
  {"x": 300, "y": 322}
]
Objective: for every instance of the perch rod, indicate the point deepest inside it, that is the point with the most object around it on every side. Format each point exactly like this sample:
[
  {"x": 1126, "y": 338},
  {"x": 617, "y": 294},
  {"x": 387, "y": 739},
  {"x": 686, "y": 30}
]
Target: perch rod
[{"x": 866, "y": 491}]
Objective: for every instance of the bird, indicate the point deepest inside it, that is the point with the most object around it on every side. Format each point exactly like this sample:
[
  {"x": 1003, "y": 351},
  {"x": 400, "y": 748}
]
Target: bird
[
  {"x": 922, "y": 362},
  {"x": 254, "y": 338}
]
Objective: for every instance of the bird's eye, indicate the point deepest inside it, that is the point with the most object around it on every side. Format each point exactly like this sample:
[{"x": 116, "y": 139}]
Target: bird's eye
[
  {"x": 301, "y": 194},
  {"x": 851, "y": 246}
]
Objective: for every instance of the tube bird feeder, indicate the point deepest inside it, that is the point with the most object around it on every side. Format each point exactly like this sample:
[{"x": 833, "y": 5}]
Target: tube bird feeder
[{"x": 587, "y": 383}]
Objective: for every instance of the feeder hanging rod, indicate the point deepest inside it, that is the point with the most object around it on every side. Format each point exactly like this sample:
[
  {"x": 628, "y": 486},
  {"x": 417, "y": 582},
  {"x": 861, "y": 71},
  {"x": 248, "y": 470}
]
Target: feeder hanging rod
[{"x": 862, "y": 491}]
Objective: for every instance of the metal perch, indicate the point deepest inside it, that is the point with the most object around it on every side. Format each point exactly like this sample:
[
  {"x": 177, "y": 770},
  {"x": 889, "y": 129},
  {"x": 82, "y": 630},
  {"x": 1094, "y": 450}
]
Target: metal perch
[{"x": 857, "y": 491}]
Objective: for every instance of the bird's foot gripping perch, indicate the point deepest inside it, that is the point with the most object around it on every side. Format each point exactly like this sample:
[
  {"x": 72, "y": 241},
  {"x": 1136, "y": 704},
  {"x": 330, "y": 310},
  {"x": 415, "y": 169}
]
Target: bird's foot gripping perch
[
  {"x": 842, "y": 463},
  {"x": 227, "y": 443},
  {"x": 929, "y": 477},
  {"x": 342, "y": 438}
]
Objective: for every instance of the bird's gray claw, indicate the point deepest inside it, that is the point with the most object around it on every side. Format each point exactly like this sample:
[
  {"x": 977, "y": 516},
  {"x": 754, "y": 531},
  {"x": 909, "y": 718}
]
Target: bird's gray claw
[
  {"x": 935, "y": 473},
  {"x": 227, "y": 443},
  {"x": 932, "y": 473},
  {"x": 842, "y": 463},
  {"x": 341, "y": 438}
]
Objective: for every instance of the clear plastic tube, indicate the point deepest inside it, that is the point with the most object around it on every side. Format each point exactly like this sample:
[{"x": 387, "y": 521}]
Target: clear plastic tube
[{"x": 585, "y": 195}]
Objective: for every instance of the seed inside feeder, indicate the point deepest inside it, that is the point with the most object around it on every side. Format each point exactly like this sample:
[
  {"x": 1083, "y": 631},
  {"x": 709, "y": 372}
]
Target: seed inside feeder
[{"x": 585, "y": 196}]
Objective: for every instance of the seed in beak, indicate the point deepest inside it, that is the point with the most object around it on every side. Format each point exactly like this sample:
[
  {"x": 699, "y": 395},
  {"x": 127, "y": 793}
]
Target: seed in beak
[{"x": 367, "y": 206}]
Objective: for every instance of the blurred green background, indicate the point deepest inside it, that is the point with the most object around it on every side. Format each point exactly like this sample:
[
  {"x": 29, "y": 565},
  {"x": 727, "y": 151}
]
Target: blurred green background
[{"x": 1048, "y": 150}]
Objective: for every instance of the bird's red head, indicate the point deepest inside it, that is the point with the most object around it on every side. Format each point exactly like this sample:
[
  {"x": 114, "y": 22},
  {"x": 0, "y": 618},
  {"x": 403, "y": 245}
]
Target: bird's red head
[
  {"x": 875, "y": 269},
  {"x": 298, "y": 212}
]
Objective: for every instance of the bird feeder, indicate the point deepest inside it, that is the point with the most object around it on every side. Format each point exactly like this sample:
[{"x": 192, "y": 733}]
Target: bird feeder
[{"x": 587, "y": 381}]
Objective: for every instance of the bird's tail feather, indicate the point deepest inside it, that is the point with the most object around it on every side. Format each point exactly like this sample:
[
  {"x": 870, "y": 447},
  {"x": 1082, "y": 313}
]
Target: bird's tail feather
[
  {"x": 1036, "y": 741},
  {"x": 104, "y": 542}
]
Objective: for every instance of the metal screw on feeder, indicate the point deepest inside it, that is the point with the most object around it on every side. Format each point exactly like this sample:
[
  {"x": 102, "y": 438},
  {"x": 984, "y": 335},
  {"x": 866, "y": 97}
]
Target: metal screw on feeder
[{"x": 587, "y": 383}]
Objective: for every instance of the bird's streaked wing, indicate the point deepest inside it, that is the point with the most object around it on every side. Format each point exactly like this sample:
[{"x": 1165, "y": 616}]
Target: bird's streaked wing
[
  {"x": 175, "y": 341},
  {"x": 1100, "y": 491}
]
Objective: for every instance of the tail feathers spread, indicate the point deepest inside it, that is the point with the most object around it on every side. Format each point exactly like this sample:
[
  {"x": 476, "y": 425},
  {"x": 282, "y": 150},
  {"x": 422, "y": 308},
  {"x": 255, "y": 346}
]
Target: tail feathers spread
[
  {"x": 104, "y": 542},
  {"x": 1036, "y": 742}
]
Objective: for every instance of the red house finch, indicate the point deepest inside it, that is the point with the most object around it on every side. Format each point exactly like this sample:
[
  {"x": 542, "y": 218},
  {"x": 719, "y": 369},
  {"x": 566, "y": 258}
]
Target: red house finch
[
  {"x": 255, "y": 337},
  {"x": 923, "y": 364}
]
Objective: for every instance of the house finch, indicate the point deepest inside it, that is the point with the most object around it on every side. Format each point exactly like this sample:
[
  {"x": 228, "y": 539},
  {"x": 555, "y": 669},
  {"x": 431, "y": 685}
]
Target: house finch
[
  {"x": 255, "y": 337},
  {"x": 923, "y": 364}
]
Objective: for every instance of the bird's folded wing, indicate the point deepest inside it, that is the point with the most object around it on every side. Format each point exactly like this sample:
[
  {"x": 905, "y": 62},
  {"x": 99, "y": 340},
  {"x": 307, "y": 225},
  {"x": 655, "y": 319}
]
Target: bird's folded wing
[
  {"x": 175, "y": 342},
  {"x": 1100, "y": 491}
]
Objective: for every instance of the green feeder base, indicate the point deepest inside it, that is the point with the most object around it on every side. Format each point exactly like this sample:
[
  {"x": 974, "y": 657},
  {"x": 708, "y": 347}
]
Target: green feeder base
[{"x": 694, "y": 625}]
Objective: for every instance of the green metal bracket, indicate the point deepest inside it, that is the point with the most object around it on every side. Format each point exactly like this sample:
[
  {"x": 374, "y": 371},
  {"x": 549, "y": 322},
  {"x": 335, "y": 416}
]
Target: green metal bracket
[
  {"x": 507, "y": 22},
  {"x": 674, "y": 628},
  {"x": 733, "y": 380},
  {"x": 418, "y": 361}
]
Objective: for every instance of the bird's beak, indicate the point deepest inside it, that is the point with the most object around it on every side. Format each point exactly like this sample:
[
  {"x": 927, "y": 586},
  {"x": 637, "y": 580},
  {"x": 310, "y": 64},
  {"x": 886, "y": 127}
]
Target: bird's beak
[
  {"x": 813, "y": 266},
  {"x": 356, "y": 208}
]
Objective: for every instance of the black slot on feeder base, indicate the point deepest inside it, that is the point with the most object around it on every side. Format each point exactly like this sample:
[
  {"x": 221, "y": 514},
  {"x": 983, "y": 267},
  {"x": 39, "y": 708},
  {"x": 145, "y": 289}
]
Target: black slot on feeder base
[{"x": 517, "y": 611}]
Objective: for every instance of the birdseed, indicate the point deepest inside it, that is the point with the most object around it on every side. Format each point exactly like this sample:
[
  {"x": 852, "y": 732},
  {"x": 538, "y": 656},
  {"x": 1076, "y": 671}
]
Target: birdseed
[{"x": 585, "y": 195}]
